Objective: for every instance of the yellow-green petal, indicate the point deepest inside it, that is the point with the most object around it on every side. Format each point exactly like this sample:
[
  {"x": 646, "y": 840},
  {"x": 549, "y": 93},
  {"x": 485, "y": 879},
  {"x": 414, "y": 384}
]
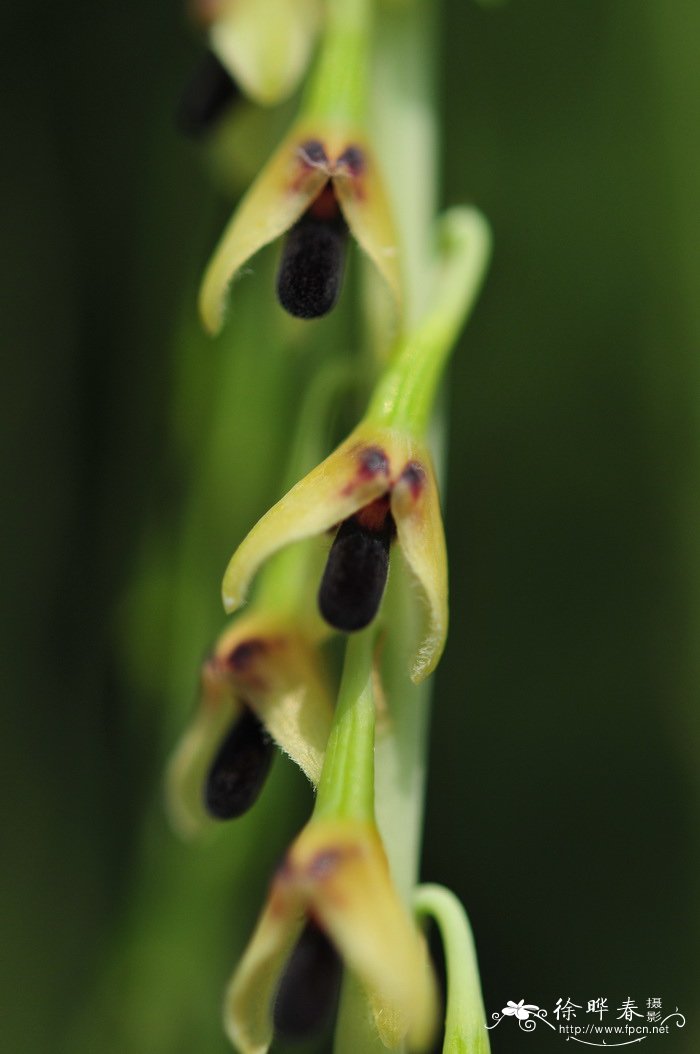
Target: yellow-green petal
[
  {"x": 415, "y": 505},
  {"x": 289, "y": 692},
  {"x": 351, "y": 477},
  {"x": 367, "y": 211},
  {"x": 189, "y": 764},
  {"x": 265, "y": 44},
  {"x": 285, "y": 188},
  {"x": 250, "y": 994}
]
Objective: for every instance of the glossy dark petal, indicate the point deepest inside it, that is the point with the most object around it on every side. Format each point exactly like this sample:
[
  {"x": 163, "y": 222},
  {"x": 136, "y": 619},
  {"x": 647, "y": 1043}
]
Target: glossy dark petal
[
  {"x": 209, "y": 93},
  {"x": 355, "y": 575},
  {"x": 311, "y": 270},
  {"x": 308, "y": 993},
  {"x": 239, "y": 770}
]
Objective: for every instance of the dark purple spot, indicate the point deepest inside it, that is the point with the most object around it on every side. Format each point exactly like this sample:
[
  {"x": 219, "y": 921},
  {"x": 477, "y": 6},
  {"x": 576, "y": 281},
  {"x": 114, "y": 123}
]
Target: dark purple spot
[
  {"x": 313, "y": 151},
  {"x": 353, "y": 159},
  {"x": 245, "y": 653},
  {"x": 207, "y": 96},
  {"x": 324, "y": 863},
  {"x": 373, "y": 461},
  {"x": 238, "y": 772},
  {"x": 414, "y": 476},
  {"x": 355, "y": 574},
  {"x": 311, "y": 270},
  {"x": 308, "y": 993}
]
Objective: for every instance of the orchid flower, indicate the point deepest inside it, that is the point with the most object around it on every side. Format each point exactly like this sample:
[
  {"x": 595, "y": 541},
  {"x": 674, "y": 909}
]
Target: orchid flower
[
  {"x": 322, "y": 183},
  {"x": 263, "y": 685}
]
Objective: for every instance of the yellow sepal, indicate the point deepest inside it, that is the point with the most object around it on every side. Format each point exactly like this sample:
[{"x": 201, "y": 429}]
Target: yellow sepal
[
  {"x": 367, "y": 211},
  {"x": 346, "y": 481},
  {"x": 415, "y": 506},
  {"x": 265, "y": 44},
  {"x": 282, "y": 192},
  {"x": 271, "y": 667},
  {"x": 336, "y": 872}
]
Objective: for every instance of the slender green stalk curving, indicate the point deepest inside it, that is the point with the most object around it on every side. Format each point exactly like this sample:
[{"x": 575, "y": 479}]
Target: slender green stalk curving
[{"x": 465, "y": 1018}]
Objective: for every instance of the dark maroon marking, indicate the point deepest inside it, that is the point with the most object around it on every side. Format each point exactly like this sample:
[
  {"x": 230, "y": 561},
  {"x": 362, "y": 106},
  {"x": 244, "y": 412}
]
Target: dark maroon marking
[
  {"x": 373, "y": 517},
  {"x": 325, "y": 206},
  {"x": 355, "y": 575},
  {"x": 209, "y": 93},
  {"x": 311, "y": 269},
  {"x": 239, "y": 770},
  {"x": 414, "y": 476},
  {"x": 353, "y": 159},
  {"x": 307, "y": 996},
  {"x": 373, "y": 461},
  {"x": 324, "y": 863},
  {"x": 245, "y": 653},
  {"x": 314, "y": 152}
]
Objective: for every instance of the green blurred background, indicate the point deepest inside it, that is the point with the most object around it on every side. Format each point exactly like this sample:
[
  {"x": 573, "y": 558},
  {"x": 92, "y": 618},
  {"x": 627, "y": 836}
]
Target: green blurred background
[{"x": 564, "y": 793}]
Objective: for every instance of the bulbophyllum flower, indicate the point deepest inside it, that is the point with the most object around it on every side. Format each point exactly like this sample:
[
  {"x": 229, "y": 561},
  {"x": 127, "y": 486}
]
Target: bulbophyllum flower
[
  {"x": 263, "y": 685},
  {"x": 379, "y": 485},
  {"x": 265, "y": 44},
  {"x": 332, "y": 900},
  {"x": 322, "y": 182}
]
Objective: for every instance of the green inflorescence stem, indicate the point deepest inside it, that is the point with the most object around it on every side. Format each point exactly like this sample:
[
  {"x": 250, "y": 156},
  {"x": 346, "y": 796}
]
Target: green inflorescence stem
[
  {"x": 405, "y": 395},
  {"x": 405, "y": 128},
  {"x": 338, "y": 87},
  {"x": 346, "y": 787}
]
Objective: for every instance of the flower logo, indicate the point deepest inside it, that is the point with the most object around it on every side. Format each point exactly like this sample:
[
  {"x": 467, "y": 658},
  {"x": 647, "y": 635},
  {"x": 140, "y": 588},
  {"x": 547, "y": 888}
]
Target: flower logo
[
  {"x": 527, "y": 1015},
  {"x": 521, "y": 1010}
]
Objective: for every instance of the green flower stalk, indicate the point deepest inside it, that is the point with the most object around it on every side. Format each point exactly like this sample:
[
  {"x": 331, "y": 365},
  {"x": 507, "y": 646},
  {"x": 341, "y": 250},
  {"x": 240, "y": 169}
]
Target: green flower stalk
[{"x": 465, "y": 1016}]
